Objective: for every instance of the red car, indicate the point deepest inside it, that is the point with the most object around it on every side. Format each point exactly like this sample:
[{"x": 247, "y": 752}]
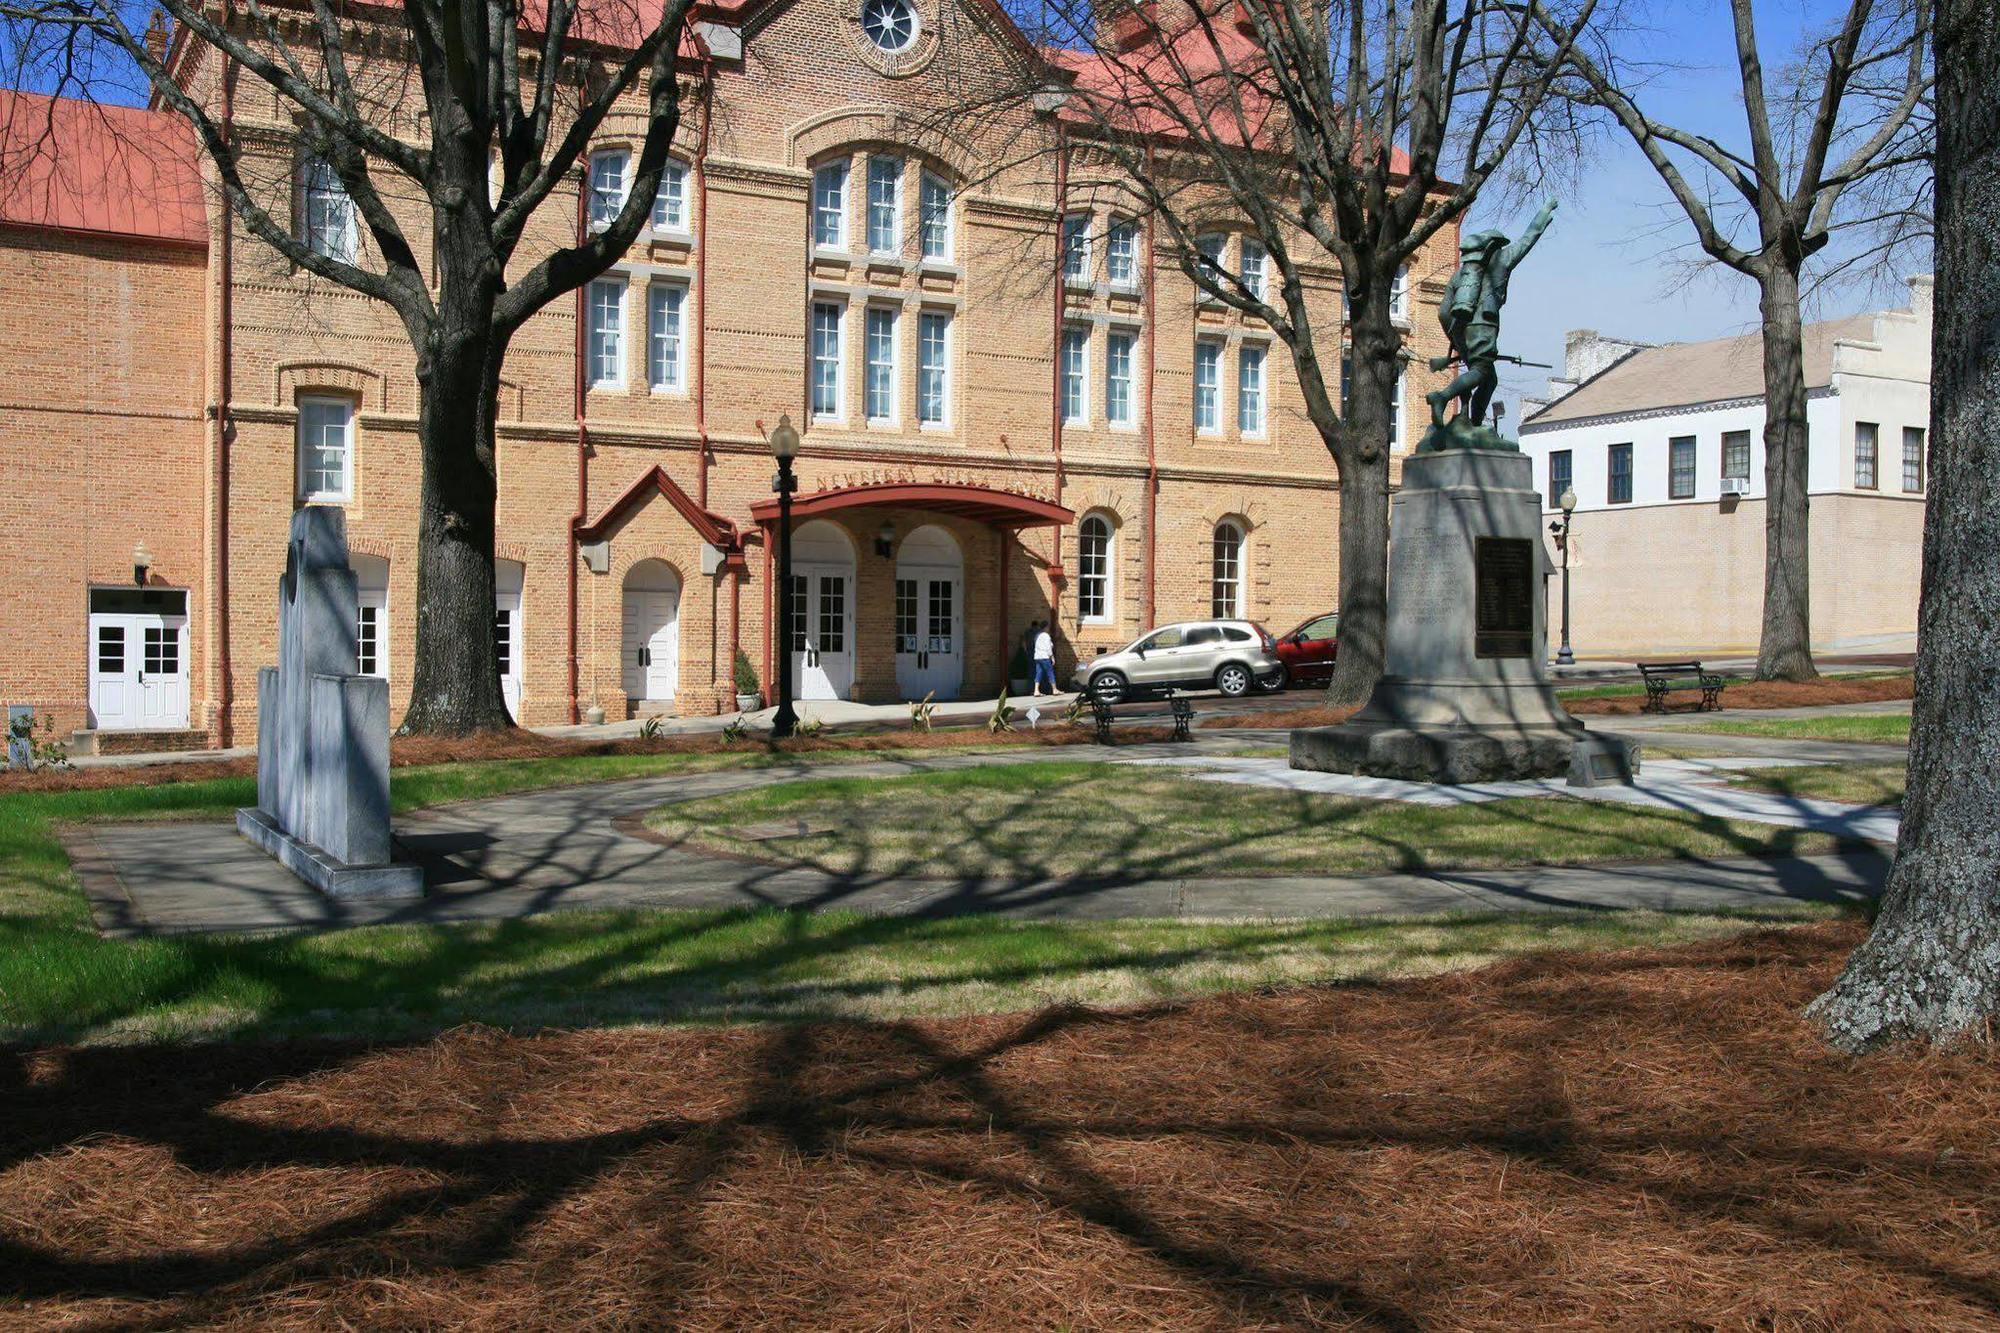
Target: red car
[{"x": 1308, "y": 651}]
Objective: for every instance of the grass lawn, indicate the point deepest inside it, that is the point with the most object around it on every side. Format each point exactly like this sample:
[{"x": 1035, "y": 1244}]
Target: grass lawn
[
  {"x": 1888, "y": 728},
  {"x": 1075, "y": 818},
  {"x": 1858, "y": 784}
]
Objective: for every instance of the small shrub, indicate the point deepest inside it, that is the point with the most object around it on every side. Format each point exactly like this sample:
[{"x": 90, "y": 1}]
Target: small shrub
[
  {"x": 746, "y": 674},
  {"x": 920, "y": 712},
  {"x": 46, "y": 752},
  {"x": 809, "y": 726},
  {"x": 649, "y": 730},
  {"x": 1002, "y": 718},
  {"x": 736, "y": 730}
]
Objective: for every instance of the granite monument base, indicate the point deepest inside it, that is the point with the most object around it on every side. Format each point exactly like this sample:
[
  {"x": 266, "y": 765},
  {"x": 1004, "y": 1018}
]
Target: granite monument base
[{"x": 325, "y": 872}]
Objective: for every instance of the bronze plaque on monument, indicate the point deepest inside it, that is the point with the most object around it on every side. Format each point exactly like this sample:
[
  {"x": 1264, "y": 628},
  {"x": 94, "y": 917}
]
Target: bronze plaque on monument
[{"x": 1504, "y": 574}]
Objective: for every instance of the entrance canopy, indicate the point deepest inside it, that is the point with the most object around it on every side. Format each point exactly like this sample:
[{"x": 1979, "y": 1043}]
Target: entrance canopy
[{"x": 982, "y": 504}]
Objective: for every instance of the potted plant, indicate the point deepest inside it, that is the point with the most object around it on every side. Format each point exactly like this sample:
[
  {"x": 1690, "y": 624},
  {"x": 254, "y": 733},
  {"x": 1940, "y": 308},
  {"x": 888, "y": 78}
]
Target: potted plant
[
  {"x": 1018, "y": 671},
  {"x": 749, "y": 694}
]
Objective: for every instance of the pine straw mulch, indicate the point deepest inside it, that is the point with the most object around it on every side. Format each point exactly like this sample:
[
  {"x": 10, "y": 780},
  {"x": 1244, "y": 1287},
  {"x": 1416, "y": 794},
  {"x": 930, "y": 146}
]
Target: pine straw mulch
[
  {"x": 1743, "y": 694},
  {"x": 420, "y": 751},
  {"x": 1642, "y": 1139}
]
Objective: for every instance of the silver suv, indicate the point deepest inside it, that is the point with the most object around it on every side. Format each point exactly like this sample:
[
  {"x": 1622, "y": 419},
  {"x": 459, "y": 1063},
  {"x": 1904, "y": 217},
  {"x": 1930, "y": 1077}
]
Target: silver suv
[{"x": 1228, "y": 655}]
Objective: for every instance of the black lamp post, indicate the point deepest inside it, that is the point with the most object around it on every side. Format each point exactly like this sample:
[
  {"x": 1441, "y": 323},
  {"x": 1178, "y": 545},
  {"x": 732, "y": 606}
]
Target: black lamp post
[
  {"x": 785, "y": 446},
  {"x": 1567, "y": 503}
]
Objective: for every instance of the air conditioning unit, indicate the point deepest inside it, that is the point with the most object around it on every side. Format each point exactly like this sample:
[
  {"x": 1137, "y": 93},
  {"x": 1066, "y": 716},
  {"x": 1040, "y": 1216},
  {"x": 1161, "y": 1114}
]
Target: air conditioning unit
[{"x": 1736, "y": 485}]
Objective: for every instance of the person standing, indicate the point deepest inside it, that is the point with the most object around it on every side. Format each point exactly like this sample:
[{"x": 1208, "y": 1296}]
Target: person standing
[{"x": 1045, "y": 659}]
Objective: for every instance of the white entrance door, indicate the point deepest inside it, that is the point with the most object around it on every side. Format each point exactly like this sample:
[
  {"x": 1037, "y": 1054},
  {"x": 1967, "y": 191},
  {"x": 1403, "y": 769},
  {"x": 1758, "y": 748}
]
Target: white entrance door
[
  {"x": 822, "y": 631},
  {"x": 507, "y": 580},
  {"x": 138, "y": 660},
  {"x": 930, "y": 653},
  {"x": 652, "y": 640}
]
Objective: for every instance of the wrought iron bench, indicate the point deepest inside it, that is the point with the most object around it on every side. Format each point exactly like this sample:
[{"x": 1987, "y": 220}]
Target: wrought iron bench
[
  {"x": 1661, "y": 677},
  {"x": 1104, "y": 714}
]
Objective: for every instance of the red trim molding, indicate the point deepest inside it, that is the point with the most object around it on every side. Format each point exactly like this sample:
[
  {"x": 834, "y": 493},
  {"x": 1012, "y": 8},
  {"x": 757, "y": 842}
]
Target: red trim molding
[
  {"x": 714, "y": 529},
  {"x": 984, "y": 504}
]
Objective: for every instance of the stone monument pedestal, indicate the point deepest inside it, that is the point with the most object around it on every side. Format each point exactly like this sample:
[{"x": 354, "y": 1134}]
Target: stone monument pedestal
[{"x": 1465, "y": 694}]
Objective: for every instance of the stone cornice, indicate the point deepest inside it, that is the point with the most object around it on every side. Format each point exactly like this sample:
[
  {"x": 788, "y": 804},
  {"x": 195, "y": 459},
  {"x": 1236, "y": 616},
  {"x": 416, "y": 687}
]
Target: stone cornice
[{"x": 1654, "y": 413}]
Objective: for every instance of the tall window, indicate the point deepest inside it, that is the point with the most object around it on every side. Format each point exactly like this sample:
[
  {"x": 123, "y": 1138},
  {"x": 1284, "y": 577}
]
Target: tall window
[
  {"x": 1680, "y": 468},
  {"x": 933, "y": 367},
  {"x": 1076, "y": 248},
  {"x": 1118, "y": 379},
  {"x": 1207, "y": 385},
  {"x": 826, "y": 327},
  {"x": 1121, "y": 254},
  {"x": 1209, "y": 250},
  {"x": 934, "y": 216},
  {"x": 607, "y": 331},
  {"x": 1225, "y": 576},
  {"x": 880, "y": 389},
  {"x": 1913, "y": 460},
  {"x": 326, "y": 212},
  {"x": 1560, "y": 472},
  {"x": 666, "y": 343},
  {"x": 1736, "y": 455},
  {"x": 1866, "y": 435},
  {"x": 607, "y": 186},
  {"x": 1253, "y": 267},
  {"x": 670, "y": 204},
  {"x": 369, "y": 659},
  {"x": 326, "y": 448},
  {"x": 830, "y": 206},
  {"x": 1396, "y": 408},
  {"x": 1399, "y": 295},
  {"x": 885, "y": 205},
  {"x": 1076, "y": 376},
  {"x": 1093, "y": 570},
  {"x": 1618, "y": 474},
  {"x": 1250, "y": 389}
]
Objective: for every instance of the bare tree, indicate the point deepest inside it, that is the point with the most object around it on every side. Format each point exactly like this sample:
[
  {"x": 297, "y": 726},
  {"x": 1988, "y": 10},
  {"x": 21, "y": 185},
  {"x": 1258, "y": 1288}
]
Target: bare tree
[
  {"x": 1931, "y": 966},
  {"x": 1847, "y": 116},
  {"x": 479, "y": 113}
]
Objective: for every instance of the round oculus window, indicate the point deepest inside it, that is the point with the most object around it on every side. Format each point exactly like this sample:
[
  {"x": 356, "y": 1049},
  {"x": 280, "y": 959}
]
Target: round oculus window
[{"x": 890, "y": 24}]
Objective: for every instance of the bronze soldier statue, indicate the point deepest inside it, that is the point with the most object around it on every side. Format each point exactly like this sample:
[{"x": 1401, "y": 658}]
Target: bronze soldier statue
[{"x": 1470, "y": 314}]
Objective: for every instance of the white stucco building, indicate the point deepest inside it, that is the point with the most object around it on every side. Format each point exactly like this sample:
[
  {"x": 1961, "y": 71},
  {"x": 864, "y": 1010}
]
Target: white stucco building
[{"x": 1664, "y": 447}]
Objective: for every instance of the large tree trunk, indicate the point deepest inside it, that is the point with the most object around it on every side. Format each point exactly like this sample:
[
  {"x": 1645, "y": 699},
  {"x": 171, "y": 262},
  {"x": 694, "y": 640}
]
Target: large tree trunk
[
  {"x": 1931, "y": 966},
  {"x": 1361, "y": 452},
  {"x": 1785, "y": 650}
]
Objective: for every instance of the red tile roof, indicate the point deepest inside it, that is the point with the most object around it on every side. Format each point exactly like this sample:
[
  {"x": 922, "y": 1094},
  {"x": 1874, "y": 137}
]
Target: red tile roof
[{"x": 71, "y": 165}]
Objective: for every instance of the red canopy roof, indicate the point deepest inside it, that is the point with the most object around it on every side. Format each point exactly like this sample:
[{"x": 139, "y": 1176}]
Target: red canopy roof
[
  {"x": 983, "y": 504},
  {"x": 112, "y": 170}
]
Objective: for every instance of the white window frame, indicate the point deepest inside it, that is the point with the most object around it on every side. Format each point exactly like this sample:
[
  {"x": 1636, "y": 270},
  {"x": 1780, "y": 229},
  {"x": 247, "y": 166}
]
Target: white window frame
[
  {"x": 934, "y": 220},
  {"x": 670, "y": 204},
  {"x": 829, "y": 205},
  {"x": 1077, "y": 378},
  {"x": 605, "y": 353},
  {"x": 1396, "y": 409},
  {"x": 666, "y": 374},
  {"x": 1254, "y": 266},
  {"x": 1076, "y": 259},
  {"x": 1121, "y": 254},
  {"x": 1253, "y": 414},
  {"x": 332, "y": 235},
  {"x": 941, "y": 367},
  {"x": 1105, "y": 576},
  {"x": 1212, "y": 249},
  {"x": 1399, "y": 296},
  {"x": 1212, "y": 425},
  {"x": 1233, "y": 581},
  {"x": 1119, "y": 407},
  {"x": 885, "y": 218},
  {"x": 837, "y": 360},
  {"x": 886, "y": 364},
  {"x": 322, "y": 495},
  {"x": 604, "y": 206}
]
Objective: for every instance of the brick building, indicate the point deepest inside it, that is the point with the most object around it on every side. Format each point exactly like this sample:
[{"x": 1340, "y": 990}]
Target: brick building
[{"x": 1013, "y": 404}]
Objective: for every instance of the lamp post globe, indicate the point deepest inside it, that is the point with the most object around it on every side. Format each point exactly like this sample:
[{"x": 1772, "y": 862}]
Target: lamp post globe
[{"x": 784, "y": 447}]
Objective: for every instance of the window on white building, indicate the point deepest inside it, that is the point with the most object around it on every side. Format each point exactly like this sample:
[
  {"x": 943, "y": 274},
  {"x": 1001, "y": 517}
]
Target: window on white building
[
  {"x": 609, "y": 176},
  {"x": 934, "y": 216},
  {"x": 1076, "y": 376},
  {"x": 885, "y": 205},
  {"x": 670, "y": 204},
  {"x": 1736, "y": 455},
  {"x": 880, "y": 350},
  {"x": 933, "y": 368},
  {"x": 1866, "y": 439},
  {"x": 830, "y": 206},
  {"x": 326, "y": 214},
  {"x": 1207, "y": 386},
  {"x": 1093, "y": 570},
  {"x": 606, "y": 331},
  {"x": 1680, "y": 468},
  {"x": 827, "y": 320},
  {"x": 1121, "y": 254},
  {"x": 326, "y": 449},
  {"x": 1225, "y": 577},
  {"x": 1118, "y": 378},
  {"x": 666, "y": 351},
  {"x": 1561, "y": 473},
  {"x": 1618, "y": 475},
  {"x": 1250, "y": 389},
  {"x": 1076, "y": 249},
  {"x": 1913, "y": 460}
]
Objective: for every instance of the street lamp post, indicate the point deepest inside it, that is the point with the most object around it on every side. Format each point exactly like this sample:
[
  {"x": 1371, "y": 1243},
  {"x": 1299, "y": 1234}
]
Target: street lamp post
[
  {"x": 1567, "y": 503},
  {"x": 785, "y": 447}
]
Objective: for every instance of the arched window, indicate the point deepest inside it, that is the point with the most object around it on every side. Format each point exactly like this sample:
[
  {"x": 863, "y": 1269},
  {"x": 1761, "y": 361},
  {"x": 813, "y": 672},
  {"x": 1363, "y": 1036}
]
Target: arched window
[
  {"x": 1094, "y": 538},
  {"x": 610, "y": 178},
  {"x": 1225, "y": 576}
]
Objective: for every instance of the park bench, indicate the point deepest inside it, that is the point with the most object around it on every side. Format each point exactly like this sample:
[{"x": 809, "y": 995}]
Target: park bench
[
  {"x": 1104, "y": 714},
  {"x": 1660, "y": 677}
]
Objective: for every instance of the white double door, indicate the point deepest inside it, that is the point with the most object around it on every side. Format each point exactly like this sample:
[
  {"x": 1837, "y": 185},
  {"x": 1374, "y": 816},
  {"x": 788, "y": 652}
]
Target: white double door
[
  {"x": 823, "y": 630},
  {"x": 930, "y": 647},
  {"x": 652, "y": 644},
  {"x": 139, "y": 670}
]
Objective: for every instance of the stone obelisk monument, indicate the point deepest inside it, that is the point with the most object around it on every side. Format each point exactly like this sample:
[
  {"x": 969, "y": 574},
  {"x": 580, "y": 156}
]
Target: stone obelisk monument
[{"x": 1465, "y": 695}]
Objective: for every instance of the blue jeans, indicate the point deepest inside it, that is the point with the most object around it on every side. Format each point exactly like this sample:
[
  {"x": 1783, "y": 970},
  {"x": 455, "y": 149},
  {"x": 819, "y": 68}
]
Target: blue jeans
[{"x": 1045, "y": 674}]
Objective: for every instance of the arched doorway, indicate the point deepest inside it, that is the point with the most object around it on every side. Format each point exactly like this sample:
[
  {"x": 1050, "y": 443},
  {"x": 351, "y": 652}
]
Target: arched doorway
[
  {"x": 930, "y": 614},
  {"x": 652, "y": 641},
  {"x": 822, "y": 595}
]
